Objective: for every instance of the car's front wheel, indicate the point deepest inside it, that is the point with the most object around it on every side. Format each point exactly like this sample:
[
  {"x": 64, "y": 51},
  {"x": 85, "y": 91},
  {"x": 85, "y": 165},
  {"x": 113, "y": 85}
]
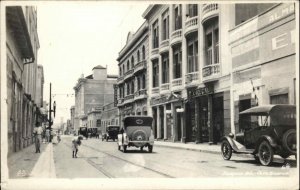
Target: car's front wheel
[
  {"x": 226, "y": 150},
  {"x": 265, "y": 153}
]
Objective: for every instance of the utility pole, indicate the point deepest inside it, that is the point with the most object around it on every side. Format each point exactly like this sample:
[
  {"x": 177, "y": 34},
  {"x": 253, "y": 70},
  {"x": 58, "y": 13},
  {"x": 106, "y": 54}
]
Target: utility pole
[{"x": 51, "y": 110}]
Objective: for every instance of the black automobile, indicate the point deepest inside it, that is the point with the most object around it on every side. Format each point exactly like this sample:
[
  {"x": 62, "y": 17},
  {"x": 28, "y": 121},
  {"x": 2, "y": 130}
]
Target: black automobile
[
  {"x": 270, "y": 130},
  {"x": 83, "y": 131},
  {"x": 111, "y": 132},
  {"x": 93, "y": 132}
]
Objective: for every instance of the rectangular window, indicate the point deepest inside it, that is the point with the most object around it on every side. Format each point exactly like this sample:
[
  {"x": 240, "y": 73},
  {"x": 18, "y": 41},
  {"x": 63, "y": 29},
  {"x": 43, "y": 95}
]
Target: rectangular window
[
  {"x": 155, "y": 38},
  {"x": 212, "y": 43},
  {"x": 193, "y": 10},
  {"x": 178, "y": 18},
  {"x": 279, "y": 99},
  {"x": 155, "y": 73},
  {"x": 192, "y": 55},
  {"x": 165, "y": 26},
  {"x": 165, "y": 68},
  {"x": 177, "y": 60}
]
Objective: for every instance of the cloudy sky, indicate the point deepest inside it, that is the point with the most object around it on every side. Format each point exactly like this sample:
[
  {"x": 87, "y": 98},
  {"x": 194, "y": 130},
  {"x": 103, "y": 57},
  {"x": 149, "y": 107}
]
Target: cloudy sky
[{"x": 75, "y": 37}]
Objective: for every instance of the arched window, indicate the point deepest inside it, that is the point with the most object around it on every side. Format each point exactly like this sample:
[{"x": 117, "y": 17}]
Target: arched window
[
  {"x": 138, "y": 83},
  {"x": 128, "y": 65},
  {"x": 132, "y": 87},
  {"x": 143, "y": 53},
  {"x": 132, "y": 62},
  {"x": 138, "y": 56}
]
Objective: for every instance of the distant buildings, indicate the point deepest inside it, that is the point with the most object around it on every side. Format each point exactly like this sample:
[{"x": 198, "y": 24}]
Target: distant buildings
[
  {"x": 109, "y": 116},
  {"x": 72, "y": 112},
  {"x": 24, "y": 76},
  {"x": 91, "y": 92}
]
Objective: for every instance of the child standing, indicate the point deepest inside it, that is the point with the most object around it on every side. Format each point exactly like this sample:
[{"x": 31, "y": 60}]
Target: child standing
[{"x": 75, "y": 143}]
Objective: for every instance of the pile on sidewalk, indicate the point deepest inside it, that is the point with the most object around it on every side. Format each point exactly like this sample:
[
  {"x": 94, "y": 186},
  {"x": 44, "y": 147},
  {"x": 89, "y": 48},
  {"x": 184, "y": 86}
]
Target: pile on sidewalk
[{"x": 26, "y": 163}]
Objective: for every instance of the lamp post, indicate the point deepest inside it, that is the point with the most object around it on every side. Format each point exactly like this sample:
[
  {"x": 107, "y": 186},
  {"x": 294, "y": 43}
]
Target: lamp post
[{"x": 51, "y": 110}]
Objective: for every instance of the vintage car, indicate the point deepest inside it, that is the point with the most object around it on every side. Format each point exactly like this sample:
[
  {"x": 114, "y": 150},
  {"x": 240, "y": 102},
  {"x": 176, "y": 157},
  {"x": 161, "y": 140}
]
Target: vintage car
[
  {"x": 137, "y": 132},
  {"x": 93, "y": 132},
  {"x": 270, "y": 130},
  {"x": 83, "y": 131},
  {"x": 111, "y": 132}
]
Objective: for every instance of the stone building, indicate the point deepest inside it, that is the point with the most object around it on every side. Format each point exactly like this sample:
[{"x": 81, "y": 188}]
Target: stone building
[
  {"x": 109, "y": 116},
  {"x": 23, "y": 105},
  {"x": 132, "y": 81},
  {"x": 93, "y": 91},
  {"x": 72, "y": 113},
  {"x": 94, "y": 118}
]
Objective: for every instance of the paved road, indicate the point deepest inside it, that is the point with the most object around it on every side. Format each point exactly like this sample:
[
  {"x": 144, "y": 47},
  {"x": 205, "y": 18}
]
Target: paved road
[{"x": 99, "y": 159}]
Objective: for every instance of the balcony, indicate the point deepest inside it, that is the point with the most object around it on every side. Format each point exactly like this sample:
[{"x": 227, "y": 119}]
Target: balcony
[
  {"x": 155, "y": 90},
  {"x": 177, "y": 84},
  {"x": 140, "y": 94},
  {"x": 176, "y": 37},
  {"x": 128, "y": 74},
  {"x": 120, "y": 102},
  {"x": 120, "y": 80},
  {"x": 164, "y": 88},
  {"x": 191, "y": 25},
  {"x": 192, "y": 78},
  {"x": 211, "y": 72},
  {"x": 140, "y": 66},
  {"x": 129, "y": 99},
  {"x": 164, "y": 46},
  {"x": 209, "y": 11},
  {"x": 154, "y": 53}
]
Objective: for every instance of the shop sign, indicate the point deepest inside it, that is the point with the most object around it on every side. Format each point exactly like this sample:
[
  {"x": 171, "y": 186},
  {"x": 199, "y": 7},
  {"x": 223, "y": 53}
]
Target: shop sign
[
  {"x": 196, "y": 92},
  {"x": 115, "y": 95},
  {"x": 160, "y": 100}
]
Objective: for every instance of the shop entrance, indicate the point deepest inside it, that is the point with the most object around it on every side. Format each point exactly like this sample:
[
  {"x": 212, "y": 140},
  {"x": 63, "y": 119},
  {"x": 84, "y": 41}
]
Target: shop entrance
[
  {"x": 161, "y": 117},
  {"x": 154, "y": 122},
  {"x": 203, "y": 117},
  {"x": 191, "y": 127},
  {"x": 218, "y": 118}
]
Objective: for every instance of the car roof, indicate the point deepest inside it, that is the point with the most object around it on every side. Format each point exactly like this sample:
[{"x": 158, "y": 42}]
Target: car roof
[{"x": 266, "y": 109}]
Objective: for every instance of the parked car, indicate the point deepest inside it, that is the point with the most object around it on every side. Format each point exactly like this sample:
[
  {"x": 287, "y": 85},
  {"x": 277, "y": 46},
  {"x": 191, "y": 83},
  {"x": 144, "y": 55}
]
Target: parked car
[
  {"x": 111, "y": 132},
  {"x": 137, "y": 132},
  {"x": 271, "y": 130},
  {"x": 83, "y": 131},
  {"x": 93, "y": 132}
]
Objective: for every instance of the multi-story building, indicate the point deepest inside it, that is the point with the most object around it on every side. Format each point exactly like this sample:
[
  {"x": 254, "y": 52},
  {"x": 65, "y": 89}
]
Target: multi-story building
[
  {"x": 72, "y": 113},
  {"x": 195, "y": 84},
  {"x": 92, "y": 91},
  {"x": 109, "y": 116},
  {"x": 132, "y": 81},
  {"x": 94, "y": 118},
  {"x": 22, "y": 45},
  {"x": 262, "y": 46}
]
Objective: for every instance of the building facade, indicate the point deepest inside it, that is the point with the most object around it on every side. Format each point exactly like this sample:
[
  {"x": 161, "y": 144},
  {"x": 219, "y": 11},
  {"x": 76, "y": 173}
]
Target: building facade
[
  {"x": 72, "y": 114},
  {"x": 109, "y": 116},
  {"x": 22, "y": 46},
  {"x": 132, "y": 81},
  {"x": 94, "y": 118},
  {"x": 92, "y": 91}
]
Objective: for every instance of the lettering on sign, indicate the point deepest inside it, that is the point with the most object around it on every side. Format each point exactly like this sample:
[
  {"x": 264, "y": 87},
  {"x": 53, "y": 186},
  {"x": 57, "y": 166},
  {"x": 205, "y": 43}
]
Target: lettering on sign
[
  {"x": 193, "y": 93},
  {"x": 282, "y": 12}
]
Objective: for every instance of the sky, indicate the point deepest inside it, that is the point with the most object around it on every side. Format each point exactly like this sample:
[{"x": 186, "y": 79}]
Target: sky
[{"x": 75, "y": 37}]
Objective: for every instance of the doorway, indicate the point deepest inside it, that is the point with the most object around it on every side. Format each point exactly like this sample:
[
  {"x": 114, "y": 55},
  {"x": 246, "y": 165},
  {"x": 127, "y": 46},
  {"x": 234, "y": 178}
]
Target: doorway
[
  {"x": 178, "y": 123},
  {"x": 203, "y": 118},
  {"x": 161, "y": 117},
  {"x": 218, "y": 118},
  {"x": 154, "y": 122}
]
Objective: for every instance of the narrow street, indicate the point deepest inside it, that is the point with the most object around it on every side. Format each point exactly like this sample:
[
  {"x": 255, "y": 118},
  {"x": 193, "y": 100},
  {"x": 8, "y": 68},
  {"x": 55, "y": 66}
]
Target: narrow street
[{"x": 101, "y": 159}]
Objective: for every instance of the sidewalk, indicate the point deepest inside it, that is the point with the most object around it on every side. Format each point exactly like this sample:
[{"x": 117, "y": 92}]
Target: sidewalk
[{"x": 26, "y": 163}]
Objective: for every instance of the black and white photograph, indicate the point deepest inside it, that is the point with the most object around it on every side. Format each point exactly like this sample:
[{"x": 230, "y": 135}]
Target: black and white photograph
[{"x": 149, "y": 94}]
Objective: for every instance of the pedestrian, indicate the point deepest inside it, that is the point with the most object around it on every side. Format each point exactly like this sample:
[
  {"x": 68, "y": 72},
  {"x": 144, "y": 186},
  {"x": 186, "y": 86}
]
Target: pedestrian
[
  {"x": 48, "y": 135},
  {"x": 75, "y": 143},
  {"x": 38, "y": 131}
]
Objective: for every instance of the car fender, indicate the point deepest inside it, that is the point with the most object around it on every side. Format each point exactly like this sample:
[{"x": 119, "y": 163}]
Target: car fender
[
  {"x": 120, "y": 139},
  {"x": 268, "y": 139},
  {"x": 231, "y": 142},
  {"x": 151, "y": 140},
  {"x": 125, "y": 139}
]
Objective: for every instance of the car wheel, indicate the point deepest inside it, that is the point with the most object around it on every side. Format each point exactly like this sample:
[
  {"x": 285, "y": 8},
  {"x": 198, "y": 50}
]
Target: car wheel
[
  {"x": 256, "y": 158},
  {"x": 289, "y": 141},
  {"x": 265, "y": 153},
  {"x": 226, "y": 150},
  {"x": 150, "y": 148},
  {"x": 124, "y": 148},
  {"x": 141, "y": 148}
]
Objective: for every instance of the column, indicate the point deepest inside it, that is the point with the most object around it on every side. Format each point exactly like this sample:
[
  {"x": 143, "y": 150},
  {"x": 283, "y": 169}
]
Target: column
[
  {"x": 158, "y": 123},
  {"x": 201, "y": 45},
  {"x": 165, "y": 122},
  {"x": 184, "y": 46},
  {"x": 183, "y": 127},
  {"x": 209, "y": 119},
  {"x": 173, "y": 132},
  {"x": 170, "y": 66},
  {"x": 197, "y": 118}
]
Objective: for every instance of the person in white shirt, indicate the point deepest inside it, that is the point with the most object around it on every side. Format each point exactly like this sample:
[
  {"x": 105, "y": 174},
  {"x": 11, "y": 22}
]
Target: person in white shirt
[{"x": 38, "y": 131}]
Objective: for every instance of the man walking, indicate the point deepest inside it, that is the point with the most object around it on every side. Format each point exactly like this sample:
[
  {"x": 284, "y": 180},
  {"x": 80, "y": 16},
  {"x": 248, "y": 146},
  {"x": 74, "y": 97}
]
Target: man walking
[{"x": 38, "y": 131}]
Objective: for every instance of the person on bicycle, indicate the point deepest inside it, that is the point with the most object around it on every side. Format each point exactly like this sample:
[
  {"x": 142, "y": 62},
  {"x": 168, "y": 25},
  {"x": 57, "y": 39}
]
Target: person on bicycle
[{"x": 38, "y": 131}]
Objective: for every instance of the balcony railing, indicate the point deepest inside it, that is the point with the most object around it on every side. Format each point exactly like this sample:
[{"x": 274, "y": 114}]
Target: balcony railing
[
  {"x": 211, "y": 71},
  {"x": 140, "y": 66},
  {"x": 177, "y": 82},
  {"x": 191, "y": 24},
  {"x": 164, "y": 46},
  {"x": 120, "y": 79},
  {"x": 165, "y": 87},
  {"x": 155, "y": 90},
  {"x": 190, "y": 77},
  {"x": 139, "y": 93},
  {"x": 120, "y": 101},
  {"x": 154, "y": 51},
  {"x": 209, "y": 10},
  {"x": 176, "y": 36},
  {"x": 128, "y": 74}
]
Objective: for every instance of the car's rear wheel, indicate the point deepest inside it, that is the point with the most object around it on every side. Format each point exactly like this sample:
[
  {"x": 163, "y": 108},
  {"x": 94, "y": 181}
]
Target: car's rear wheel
[
  {"x": 150, "y": 148},
  {"x": 265, "y": 153},
  {"x": 226, "y": 150},
  {"x": 141, "y": 148},
  {"x": 124, "y": 148},
  {"x": 289, "y": 141}
]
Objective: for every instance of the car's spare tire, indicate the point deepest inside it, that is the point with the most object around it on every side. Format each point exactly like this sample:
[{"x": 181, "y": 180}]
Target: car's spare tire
[
  {"x": 139, "y": 135},
  {"x": 289, "y": 141}
]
